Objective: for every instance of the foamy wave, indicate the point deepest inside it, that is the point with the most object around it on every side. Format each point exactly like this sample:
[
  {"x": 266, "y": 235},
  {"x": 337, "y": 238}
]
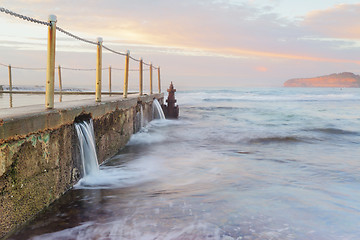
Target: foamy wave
[
  {"x": 144, "y": 137},
  {"x": 163, "y": 123},
  {"x": 277, "y": 139},
  {"x": 78, "y": 232},
  {"x": 143, "y": 230},
  {"x": 335, "y": 131},
  {"x": 133, "y": 173},
  {"x": 152, "y": 134}
]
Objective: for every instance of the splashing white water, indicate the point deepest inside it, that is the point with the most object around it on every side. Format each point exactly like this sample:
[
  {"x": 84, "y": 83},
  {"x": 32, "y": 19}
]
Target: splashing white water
[
  {"x": 157, "y": 110},
  {"x": 139, "y": 120},
  {"x": 134, "y": 173},
  {"x": 142, "y": 120},
  {"x": 85, "y": 131}
]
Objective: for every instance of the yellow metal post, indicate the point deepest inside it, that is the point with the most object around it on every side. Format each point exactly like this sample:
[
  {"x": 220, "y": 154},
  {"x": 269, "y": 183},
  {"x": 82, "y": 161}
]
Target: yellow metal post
[
  {"x": 141, "y": 77},
  {"x": 50, "y": 70},
  {"x": 11, "y": 100},
  {"x": 109, "y": 80},
  {"x": 126, "y": 77},
  {"x": 98, "y": 70},
  {"x": 159, "y": 83},
  {"x": 151, "y": 75},
  {"x": 10, "y": 87},
  {"x": 60, "y": 83},
  {"x": 10, "y": 79}
]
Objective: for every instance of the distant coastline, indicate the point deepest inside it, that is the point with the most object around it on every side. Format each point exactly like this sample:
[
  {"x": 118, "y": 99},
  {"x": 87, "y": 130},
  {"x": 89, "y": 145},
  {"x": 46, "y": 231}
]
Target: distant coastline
[{"x": 339, "y": 80}]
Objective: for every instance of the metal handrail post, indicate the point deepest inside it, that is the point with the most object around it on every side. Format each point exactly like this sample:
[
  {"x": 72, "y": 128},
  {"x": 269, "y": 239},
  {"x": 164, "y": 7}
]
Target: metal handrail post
[
  {"x": 151, "y": 76},
  {"x": 50, "y": 69},
  {"x": 10, "y": 79},
  {"x": 109, "y": 80},
  {"x": 60, "y": 83},
  {"x": 98, "y": 70},
  {"x": 126, "y": 75},
  {"x": 159, "y": 82},
  {"x": 141, "y": 77}
]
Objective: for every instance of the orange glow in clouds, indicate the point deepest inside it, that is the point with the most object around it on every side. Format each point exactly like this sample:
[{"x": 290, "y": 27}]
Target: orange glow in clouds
[
  {"x": 261, "y": 69},
  {"x": 287, "y": 56}
]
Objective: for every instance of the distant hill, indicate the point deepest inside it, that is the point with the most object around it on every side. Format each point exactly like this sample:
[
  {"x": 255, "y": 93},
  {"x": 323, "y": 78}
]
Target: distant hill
[{"x": 339, "y": 80}]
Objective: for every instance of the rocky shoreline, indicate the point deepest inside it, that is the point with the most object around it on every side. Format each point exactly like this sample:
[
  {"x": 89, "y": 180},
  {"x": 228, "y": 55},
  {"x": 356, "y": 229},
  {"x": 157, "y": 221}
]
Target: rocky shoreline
[{"x": 341, "y": 80}]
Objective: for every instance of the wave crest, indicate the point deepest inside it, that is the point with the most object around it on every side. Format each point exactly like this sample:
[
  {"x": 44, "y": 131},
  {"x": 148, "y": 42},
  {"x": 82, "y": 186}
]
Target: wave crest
[{"x": 276, "y": 139}]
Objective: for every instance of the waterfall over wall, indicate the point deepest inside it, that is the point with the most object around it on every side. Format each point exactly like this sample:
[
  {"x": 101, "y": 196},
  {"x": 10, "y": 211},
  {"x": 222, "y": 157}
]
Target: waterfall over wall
[
  {"x": 157, "y": 110},
  {"x": 142, "y": 119},
  {"x": 85, "y": 131},
  {"x": 139, "y": 120}
]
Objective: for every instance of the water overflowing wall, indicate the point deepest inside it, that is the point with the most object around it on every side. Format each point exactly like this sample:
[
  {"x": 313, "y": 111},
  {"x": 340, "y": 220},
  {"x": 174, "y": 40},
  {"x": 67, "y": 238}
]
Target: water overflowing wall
[
  {"x": 157, "y": 110},
  {"x": 87, "y": 147},
  {"x": 140, "y": 120},
  {"x": 39, "y": 157}
]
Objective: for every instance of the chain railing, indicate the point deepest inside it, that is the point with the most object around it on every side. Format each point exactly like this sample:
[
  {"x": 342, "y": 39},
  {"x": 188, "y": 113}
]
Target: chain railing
[
  {"x": 113, "y": 51},
  {"x": 4, "y": 10},
  {"x": 50, "y": 69},
  {"x": 75, "y": 37}
]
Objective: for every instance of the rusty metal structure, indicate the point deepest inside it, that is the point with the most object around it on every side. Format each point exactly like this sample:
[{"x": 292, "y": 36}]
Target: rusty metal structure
[{"x": 171, "y": 110}]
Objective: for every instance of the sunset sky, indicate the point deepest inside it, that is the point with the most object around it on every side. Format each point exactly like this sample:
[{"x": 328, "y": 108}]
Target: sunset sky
[{"x": 203, "y": 43}]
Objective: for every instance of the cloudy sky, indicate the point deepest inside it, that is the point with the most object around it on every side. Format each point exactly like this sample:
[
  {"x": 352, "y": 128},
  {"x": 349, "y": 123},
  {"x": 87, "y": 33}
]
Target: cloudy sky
[{"x": 197, "y": 43}]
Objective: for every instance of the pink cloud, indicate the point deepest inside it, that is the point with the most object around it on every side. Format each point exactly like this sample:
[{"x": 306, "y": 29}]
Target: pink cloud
[
  {"x": 209, "y": 39},
  {"x": 340, "y": 21}
]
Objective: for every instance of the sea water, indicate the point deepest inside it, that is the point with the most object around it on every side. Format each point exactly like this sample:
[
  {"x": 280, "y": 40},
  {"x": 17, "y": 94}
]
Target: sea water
[{"x": 239, "y": 164}]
